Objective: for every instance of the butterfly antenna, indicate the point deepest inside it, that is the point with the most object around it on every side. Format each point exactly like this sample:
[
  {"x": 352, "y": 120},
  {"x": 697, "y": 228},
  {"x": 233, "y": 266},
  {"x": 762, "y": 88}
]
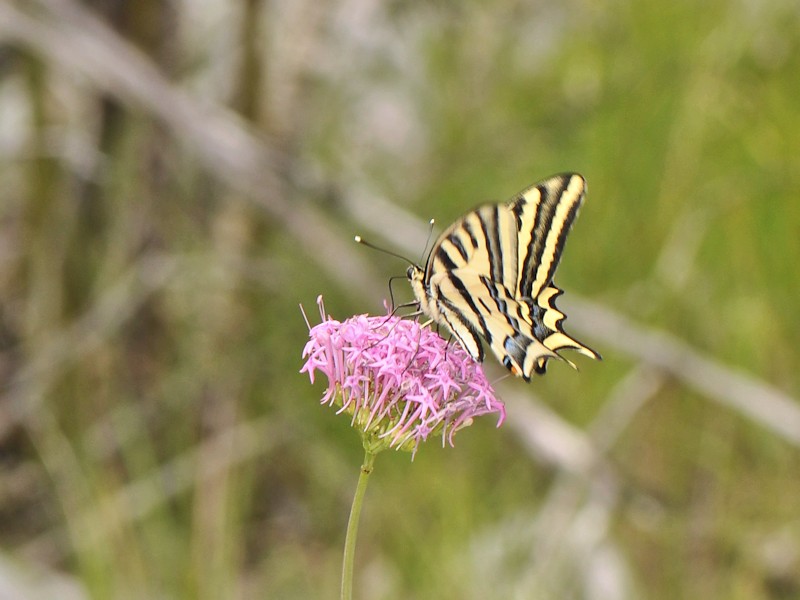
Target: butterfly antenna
[
  {"x": 428, "y": 241},
  {"x": 360, "y": 240}
]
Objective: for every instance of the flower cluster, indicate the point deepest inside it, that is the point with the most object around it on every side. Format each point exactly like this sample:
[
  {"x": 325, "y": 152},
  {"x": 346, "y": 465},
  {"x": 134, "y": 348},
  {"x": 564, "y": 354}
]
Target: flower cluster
[{"x": 399, "y": 381}]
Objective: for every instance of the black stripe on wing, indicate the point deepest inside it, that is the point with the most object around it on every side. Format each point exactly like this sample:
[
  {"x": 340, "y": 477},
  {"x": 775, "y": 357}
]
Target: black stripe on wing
[
  {"x": 442, "y": 259},
  {"x": 455, "y": 248},
  {"x": 462, "y": 330},
  {"x": 463, "y": 317},
  {"x": 489, "y": 221}
]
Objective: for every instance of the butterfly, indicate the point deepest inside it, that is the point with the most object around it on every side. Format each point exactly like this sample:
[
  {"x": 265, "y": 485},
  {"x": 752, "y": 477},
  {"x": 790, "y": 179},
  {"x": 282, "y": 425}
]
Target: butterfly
[{"x": 490, "y": 275}]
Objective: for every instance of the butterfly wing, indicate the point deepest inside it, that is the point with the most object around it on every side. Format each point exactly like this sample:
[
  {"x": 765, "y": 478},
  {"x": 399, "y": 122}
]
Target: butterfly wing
[
  {"x": 474, "y": 306},
  {"x": 544, "y": 213},
  {"x": 548, "y": 330},
  {"x": 483, "y": 241},
  {"x": 490, "y": 275}
]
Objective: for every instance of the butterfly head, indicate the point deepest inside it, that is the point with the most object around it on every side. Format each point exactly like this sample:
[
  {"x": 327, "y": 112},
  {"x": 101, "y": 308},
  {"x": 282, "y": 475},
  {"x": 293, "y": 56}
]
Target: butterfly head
[{"x": 416, "y": 276}]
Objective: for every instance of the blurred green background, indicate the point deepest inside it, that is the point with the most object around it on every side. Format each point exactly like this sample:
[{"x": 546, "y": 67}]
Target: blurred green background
[{"x": 176, "y": 177}]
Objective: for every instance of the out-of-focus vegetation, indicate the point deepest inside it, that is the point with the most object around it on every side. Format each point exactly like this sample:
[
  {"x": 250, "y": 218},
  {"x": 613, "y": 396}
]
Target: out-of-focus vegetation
[{"x": 175, "y": 177}]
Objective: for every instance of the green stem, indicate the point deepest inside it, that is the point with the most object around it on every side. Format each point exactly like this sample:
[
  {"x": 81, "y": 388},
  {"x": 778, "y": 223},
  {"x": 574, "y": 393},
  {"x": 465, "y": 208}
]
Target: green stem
[{"x": 352, "y": 527}]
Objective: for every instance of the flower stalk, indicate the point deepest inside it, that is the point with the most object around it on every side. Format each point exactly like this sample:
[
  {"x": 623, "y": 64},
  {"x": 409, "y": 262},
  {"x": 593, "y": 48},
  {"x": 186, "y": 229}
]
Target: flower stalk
[{"x": 352, "y": 526}]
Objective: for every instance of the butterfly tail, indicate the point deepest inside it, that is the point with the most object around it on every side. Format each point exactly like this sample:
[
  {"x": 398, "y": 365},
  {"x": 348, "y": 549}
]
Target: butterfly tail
[{"x": 551, "y": 332}]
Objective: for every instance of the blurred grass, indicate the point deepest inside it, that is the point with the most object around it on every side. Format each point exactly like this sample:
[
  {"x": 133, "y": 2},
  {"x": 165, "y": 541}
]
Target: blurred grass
[{"x": 115, "y": 464}]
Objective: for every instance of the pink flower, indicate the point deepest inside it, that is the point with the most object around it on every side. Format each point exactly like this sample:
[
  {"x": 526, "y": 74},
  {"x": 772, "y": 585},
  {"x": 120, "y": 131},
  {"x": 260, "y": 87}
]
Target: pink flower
[{"x": 400, "y": 382}]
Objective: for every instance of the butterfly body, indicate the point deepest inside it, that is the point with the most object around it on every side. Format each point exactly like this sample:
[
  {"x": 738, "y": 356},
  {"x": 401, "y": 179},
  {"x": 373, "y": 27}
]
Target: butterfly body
[{"x": 489, "y": 275}]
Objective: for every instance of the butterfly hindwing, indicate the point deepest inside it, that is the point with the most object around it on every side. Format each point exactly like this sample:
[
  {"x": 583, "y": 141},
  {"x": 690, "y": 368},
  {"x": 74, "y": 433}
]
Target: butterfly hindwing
[{"x": 494, "y": 314}]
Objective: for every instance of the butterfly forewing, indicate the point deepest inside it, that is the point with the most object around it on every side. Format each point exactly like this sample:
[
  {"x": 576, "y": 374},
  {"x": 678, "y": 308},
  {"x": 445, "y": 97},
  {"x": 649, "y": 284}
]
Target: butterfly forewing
[
  {"x": 489, "y": 275},
  {"x": 484, "y": 240},
  {"x": 544, "y": 213}
]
